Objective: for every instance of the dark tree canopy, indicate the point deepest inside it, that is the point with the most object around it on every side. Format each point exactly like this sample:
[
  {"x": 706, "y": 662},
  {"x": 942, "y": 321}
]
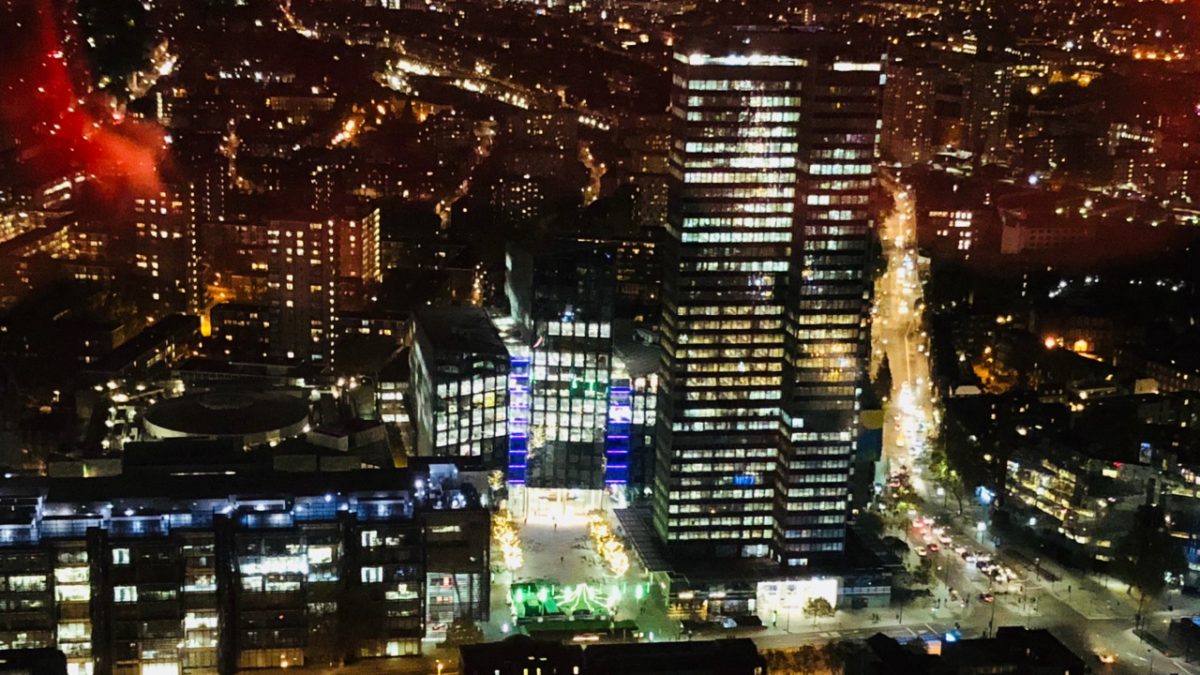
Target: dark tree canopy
[
  {"x": 1148, "y": 552},
  {"x": 119, "y": 37}
]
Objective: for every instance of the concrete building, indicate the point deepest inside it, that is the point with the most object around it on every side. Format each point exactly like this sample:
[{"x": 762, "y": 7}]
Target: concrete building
[
  {"x": 155, "y": 571},
  {"x": 908, "y": 112},
  {"x": 301, "y": 276}
]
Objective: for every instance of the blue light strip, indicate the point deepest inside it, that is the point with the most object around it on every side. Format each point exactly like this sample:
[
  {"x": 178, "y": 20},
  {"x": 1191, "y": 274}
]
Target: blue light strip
[
  {"x": 518, "y": 419},
  {"x": 620, "y": 420}
]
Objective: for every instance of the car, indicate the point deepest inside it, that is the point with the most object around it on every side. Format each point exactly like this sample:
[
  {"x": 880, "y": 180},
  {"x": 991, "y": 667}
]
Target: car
[{"x": 987, "y": 597}]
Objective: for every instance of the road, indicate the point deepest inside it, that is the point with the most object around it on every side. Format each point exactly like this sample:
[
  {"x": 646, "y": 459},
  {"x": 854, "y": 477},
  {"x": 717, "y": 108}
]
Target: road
[
  {"x": 1089, "y": 616},
  {"x": 899, "y": 334}
]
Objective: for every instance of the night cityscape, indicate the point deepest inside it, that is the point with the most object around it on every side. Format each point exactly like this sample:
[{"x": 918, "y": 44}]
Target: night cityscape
[{"x": 599, "y": 337}]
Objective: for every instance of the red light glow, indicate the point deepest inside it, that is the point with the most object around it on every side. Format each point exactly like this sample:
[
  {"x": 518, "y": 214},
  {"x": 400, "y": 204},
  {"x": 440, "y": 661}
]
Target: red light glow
[{"x": 62, "y": 131}]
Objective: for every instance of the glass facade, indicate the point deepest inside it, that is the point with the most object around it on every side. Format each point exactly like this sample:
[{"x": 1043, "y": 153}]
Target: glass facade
[
  {"x": 561, "y": 294},
  {"x": 764, "y": 296},
  {"x": 460, "y": 383},
  {"x": 827, "y": 311}
]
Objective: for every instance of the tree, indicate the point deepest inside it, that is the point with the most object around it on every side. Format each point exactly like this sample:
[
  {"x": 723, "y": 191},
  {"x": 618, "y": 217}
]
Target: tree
[
  {"x": 922, "y": 575},
  {"x": 118, "y": 37},
  {"x": 817, "y": 608},
  {"x": 807, "y": 658},
  {"x": 778, "y": 661},
  {"x": 843, "y": 656},
  {"x": 883, "y": 379},
  {"x": 871, "y": 524},
  {"x": 463, "y": 631},
  {"x": 1147, "y": 554}
]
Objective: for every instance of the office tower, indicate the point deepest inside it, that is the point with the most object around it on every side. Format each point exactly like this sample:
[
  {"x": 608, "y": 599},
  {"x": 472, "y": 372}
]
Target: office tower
[
  {"x": 301, "y": 267},
  {"x": 459, "y": 385},
  {"x": 561, "y": 296},
  {"x": 908, "y": 112},
  {"x": 764, "y": 292},
  {"x": 828, "y": 304}
]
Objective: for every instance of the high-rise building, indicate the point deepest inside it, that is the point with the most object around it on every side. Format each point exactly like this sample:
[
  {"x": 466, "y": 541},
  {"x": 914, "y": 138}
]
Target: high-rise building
[
  {"x": 988, "y": 95},
  {"x": 164, "y": 247},
  {"x": 764, "y": 296},
  {"x": 359, "y": 258},
  {"x": 561, "y": 294},
  {"x": 908, "y": 112},
  {"x": 827, "y": 307},
  {"x": 301, "y": 276}
]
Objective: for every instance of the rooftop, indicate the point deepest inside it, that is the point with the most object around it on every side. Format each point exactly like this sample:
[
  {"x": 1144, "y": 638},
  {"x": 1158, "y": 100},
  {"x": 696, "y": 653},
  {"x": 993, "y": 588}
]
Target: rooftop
[{"x": 460, "y": 330}]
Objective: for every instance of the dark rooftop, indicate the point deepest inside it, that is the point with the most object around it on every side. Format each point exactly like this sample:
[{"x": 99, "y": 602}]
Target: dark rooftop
[{"x": 460, "y": 330}]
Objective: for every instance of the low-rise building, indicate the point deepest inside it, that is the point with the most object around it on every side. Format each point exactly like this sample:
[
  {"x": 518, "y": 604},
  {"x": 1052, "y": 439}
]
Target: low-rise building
[
  {"x": 229, "y": 564},
  {"x": 459, "y": 389}
]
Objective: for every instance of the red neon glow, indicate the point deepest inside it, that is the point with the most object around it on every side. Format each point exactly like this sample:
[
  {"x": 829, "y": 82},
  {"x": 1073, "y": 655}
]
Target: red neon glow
[{"x": 61, "y": 130}]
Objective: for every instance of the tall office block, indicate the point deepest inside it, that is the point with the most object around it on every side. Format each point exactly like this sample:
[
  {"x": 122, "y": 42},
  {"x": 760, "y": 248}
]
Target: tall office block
[
  {"x": 828, "y": 303},
  {"x": 562, "y": 295},
  {"x": 774, "y": 139}
]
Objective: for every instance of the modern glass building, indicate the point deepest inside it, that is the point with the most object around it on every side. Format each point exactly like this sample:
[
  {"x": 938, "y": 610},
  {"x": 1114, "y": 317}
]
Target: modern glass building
[
  {"x": 561, "y": 296},
  {"x": 764, "y": 295},
  {"x": 459, "y": 390}
]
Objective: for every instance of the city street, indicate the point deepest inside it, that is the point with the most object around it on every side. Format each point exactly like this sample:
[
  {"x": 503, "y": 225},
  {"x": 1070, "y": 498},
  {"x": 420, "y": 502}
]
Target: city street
[
  {"x": 900, "y": 335},
  {"x": 1093, "y": 616}
]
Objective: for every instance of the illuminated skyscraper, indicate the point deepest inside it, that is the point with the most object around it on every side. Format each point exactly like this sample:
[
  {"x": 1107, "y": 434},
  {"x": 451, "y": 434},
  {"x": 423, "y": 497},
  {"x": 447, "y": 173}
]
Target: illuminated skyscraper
[
  {"x": 164, "y": 248},
  {"x": 561, "y": 295},
  {"x": 764, "y": 294}
]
